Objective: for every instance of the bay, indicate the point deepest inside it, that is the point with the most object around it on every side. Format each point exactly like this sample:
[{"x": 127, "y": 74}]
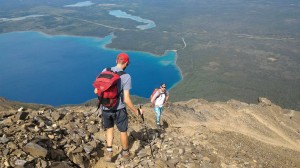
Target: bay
[
  {"x": 60, "y": 69},
  {"x": 120, "y": 14}
]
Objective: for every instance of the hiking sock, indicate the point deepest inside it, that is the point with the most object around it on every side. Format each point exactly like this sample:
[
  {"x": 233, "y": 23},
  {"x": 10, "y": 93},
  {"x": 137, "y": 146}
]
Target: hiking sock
[
  {"x": 109, "y": 148},
  {"x": 108, "y": 154}
]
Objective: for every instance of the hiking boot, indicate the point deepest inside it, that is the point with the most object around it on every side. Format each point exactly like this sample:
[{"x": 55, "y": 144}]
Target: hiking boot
[
  {"x": 158, "y": 126},
  {"x": 125, "y": 155},
  {"x": 108, "y": 156}
]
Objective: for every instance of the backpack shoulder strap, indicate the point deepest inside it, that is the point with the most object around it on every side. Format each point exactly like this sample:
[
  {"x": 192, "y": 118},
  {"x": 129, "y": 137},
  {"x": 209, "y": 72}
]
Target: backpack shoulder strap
[
  {"x": 159, "y": 93},
  {"x": 120, "y": 73}
]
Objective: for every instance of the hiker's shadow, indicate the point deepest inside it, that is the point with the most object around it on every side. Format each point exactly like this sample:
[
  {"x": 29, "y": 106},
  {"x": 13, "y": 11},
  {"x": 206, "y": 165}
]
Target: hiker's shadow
[
  {"x": 115, "y": 157},
  {"x": 165, "y": 125}
]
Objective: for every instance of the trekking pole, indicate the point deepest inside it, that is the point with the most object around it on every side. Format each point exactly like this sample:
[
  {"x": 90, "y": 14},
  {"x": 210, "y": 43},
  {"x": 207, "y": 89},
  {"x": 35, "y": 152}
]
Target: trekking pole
[{"x": 144, "y": 124}]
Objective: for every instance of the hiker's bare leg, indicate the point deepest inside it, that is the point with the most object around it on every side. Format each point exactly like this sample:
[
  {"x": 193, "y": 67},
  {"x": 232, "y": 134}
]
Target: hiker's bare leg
[
  {"x": 124, "y": 140},
  {"x": 109, "y": 140},
  {"x": 109, "y": 136}
]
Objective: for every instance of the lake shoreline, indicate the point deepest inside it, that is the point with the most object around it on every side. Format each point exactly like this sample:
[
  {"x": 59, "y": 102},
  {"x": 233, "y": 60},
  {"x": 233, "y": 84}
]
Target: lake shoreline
[{"x": 167, "y": 60}]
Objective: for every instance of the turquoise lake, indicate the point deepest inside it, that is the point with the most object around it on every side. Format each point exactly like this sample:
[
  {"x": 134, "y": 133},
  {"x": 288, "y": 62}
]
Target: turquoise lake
[{"x": 57, "y": 70}]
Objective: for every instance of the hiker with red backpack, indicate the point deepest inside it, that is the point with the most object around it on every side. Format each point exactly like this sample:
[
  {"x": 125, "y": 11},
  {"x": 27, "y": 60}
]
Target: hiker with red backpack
[
  {"x": 112, "y": 87},
  {"x": 159, "y": 98}
]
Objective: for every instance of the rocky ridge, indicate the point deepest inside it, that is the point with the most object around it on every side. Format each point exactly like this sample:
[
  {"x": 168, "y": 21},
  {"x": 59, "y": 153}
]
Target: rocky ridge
[{"x": 195, "y": 133}]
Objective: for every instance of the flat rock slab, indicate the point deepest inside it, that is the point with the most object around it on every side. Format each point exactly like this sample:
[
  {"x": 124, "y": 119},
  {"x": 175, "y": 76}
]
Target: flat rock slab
[{"x": 35, "y": 150}]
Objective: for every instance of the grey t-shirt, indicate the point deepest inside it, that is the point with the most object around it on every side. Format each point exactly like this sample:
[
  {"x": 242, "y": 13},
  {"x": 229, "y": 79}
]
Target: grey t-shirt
[{"x": 124, "y": 84}]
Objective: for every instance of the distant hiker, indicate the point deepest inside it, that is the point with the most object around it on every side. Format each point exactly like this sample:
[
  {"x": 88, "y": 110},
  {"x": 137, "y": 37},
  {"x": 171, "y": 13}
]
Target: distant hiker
[
  {"x": 158, "y": 98},
  {"x": 113, "y": 108}
]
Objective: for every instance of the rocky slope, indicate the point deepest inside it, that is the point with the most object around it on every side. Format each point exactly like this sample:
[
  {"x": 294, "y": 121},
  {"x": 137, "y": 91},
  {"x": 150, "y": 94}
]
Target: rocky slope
[{"x": 196, "y": 133}]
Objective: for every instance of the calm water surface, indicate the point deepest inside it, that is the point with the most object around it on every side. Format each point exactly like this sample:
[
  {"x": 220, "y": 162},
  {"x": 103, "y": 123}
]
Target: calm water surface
[{"x": 56, "y": 70}]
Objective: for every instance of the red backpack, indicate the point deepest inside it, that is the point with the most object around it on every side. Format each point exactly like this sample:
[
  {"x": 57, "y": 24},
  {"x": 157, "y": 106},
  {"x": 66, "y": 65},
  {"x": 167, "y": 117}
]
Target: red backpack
[{"x": 106, "y": 87}]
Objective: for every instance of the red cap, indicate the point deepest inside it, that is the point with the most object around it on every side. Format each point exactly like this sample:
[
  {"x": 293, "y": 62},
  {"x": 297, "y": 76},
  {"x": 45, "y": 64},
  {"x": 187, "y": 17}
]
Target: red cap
[{"x": 123, "y": 57}]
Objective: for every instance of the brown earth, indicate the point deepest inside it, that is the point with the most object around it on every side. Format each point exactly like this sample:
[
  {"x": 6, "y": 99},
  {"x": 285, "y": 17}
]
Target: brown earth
[
  {"x": 196, "y": 133},
  {"x": 234, "y": 134}
]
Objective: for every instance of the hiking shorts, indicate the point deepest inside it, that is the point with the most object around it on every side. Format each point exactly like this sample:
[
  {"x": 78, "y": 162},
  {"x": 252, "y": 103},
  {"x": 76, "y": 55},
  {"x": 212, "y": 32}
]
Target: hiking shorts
[{"x": 118, "y": 117}]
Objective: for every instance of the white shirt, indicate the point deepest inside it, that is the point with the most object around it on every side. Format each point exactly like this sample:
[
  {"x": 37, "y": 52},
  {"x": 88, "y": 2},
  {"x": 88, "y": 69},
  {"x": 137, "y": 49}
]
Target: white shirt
[{"x": 160, "y": 98}]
